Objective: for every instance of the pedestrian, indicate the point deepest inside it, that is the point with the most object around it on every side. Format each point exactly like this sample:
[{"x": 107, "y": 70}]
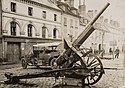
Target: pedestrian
[
  {"x": 110, "y": 51},
  {"x": 117, "y": 53},
  {"x": 91, "y": 49}
]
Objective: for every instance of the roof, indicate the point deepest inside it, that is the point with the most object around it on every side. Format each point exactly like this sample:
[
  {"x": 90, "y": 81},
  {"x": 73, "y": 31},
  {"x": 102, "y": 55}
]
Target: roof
[
  {"x": 47, "y": 44},
  {"x": 114, "y": 30},
  {"x": 68, "y": 11},
  {"x": 47, "y": 3}
]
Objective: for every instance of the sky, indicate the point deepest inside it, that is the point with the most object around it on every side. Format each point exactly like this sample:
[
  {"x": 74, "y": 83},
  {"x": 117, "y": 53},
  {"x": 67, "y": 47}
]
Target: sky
[{"x": 116, "y": 10}]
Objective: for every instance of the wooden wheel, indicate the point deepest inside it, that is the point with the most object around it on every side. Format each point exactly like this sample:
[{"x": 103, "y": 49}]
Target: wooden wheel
[{"x": 97, "y": 71}]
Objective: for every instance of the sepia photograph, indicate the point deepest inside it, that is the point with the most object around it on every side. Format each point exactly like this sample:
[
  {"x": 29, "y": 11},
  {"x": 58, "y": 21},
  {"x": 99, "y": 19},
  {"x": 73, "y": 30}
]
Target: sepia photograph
[{"x": 62, "y": 44}]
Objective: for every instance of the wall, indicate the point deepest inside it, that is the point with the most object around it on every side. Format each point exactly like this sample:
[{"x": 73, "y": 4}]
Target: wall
[
  {"x": 67, "y": 29},
  {"x": 22, "y": 19},
  {"x": 21, "y": 16}
]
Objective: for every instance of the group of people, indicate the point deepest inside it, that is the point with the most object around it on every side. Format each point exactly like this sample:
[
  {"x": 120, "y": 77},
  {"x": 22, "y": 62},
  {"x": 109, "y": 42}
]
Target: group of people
[
  {"x": 111, "y": 52},
  {"x": 116, "y": 52}
]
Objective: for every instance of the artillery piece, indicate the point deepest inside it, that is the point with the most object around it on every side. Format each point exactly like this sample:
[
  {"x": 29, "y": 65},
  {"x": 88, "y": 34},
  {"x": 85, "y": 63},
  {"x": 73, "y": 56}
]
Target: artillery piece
[
  {"x": 74, "y": 62},
  {"x": 76, "y": 57}
]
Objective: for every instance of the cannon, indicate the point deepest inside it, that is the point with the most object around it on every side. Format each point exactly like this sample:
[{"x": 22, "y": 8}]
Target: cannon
[
  {"x": 74, "y": 62},
  {"x": 76, "y": 57}
]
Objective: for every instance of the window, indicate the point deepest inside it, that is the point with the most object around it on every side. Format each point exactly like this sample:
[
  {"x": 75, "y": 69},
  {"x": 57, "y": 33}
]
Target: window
[
  {"x": 29, "y": 30},
  {"x": 55, "y": 17},
  {"x": 13, "y": 28},
  {"x": 54, "y": 33},
  {"x": 85, "y": 21},
  {"x": 30, "y": 11},
  {"x": 43, "y": 32},
  {"x": 71, "y": 23},
  {"x": 44, "y": 14},
  {"x": 72, "y": 3},
  {"x": 76, "y": 24},
  {"x": 13, "y": 7},
  {"x": 65, "y": 22}
]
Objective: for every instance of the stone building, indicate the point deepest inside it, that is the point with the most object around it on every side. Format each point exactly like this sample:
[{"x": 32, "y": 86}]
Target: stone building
[
  {"x": 70, "y": 19},
  {"x": 27, "y": 22},
  {"x": 108, "y": 34}
]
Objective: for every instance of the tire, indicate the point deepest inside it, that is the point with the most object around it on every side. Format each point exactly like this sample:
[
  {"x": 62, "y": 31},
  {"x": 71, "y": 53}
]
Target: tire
[
  {"x": 53, "y": 64},
  {"x": 24, "y": 63}
]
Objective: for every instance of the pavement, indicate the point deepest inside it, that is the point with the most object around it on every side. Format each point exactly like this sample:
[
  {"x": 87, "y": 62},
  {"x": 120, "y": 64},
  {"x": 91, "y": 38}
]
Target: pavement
[
  {"x": 114, "y": 62},
  {"x": 9, "y": 65},
  {"x": 114, "y": 76}
]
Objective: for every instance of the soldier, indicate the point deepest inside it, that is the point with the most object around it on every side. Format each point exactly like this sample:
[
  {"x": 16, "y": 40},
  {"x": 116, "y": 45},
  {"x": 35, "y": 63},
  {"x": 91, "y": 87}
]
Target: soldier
[
  {"x": 117, "y": 53},
  {"x": 110, "y": 51},
  {"x": 91, "y": 49}
]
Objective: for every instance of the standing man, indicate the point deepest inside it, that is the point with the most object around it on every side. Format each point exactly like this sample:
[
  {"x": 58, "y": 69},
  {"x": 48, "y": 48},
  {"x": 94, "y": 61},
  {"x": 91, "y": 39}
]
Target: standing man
[
  {"x": 117, "y": 53},
  {"x": 110, "y": 51}
]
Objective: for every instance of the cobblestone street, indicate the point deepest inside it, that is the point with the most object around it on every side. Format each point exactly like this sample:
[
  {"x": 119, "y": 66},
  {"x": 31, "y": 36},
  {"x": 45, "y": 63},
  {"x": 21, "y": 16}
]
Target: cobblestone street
[{"x": 113, "y": 77}]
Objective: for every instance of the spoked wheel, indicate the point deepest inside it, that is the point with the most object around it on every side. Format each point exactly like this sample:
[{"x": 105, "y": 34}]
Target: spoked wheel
[
  {"x": 97, "y": 71},
  {"x": 24, "y": 63},
  {"x": 80, "y": 68}
]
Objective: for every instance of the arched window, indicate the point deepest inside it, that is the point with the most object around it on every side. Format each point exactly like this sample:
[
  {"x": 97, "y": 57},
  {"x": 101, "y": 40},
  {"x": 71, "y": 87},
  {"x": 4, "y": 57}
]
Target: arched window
[
  {"x": 29, "y": 30},
  {"x": 44, "y": 31},
  {"x": 54, "y": 33},
  {"x": 13, "y": 28}
]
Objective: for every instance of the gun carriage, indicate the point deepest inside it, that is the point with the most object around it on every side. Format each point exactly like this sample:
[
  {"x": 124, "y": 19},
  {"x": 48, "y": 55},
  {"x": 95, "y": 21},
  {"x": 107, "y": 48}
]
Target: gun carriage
[{"x": 74, "y": 62}]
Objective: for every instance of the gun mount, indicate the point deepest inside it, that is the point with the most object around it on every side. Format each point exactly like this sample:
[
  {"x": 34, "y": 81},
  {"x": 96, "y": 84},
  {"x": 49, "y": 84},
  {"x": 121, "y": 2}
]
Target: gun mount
[{"x": 74, "y": 62}]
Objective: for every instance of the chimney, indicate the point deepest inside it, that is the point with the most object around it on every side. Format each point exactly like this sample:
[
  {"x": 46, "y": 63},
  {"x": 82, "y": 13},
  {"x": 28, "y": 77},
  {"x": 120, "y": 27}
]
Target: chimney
[{"x": 82, "y": 8}]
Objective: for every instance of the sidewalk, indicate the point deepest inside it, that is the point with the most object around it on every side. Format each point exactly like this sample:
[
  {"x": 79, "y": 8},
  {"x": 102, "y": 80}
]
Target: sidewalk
[
  {"x": 9, "y": 65},
  {"x": 114, "y": 63},
  {"x": 108, "y": 56}
]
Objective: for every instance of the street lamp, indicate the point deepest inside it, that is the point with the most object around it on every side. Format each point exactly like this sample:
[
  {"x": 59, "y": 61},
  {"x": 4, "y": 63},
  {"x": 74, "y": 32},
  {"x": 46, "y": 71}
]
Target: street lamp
[{"x": 103, "y": 33}]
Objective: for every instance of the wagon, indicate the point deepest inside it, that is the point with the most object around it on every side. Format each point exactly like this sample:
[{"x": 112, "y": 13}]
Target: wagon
[{"x": 41, "y": 54}]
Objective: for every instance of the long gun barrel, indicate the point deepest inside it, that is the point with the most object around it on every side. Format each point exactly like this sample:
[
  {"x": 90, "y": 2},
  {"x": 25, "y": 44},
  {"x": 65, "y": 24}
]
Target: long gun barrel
[{"x": 88, "y": 29}]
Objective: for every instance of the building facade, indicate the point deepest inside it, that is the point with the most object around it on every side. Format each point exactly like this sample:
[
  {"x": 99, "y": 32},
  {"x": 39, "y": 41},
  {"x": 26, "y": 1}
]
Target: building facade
[
  {"x": 26, "y": 22},
  {"x": 70, "y": 21},
  {"x": 107, "y": 34}
]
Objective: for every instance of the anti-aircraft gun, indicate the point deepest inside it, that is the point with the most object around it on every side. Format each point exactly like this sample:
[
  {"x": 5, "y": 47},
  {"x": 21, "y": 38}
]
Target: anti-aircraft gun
[
  {"x": 74, "y": 62},
  {"x": 75, "y": 57}
]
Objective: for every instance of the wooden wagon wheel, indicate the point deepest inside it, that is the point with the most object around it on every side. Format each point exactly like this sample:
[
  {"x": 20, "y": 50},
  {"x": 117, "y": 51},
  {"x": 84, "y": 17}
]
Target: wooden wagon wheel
[{"x": 97, "y": 71}]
